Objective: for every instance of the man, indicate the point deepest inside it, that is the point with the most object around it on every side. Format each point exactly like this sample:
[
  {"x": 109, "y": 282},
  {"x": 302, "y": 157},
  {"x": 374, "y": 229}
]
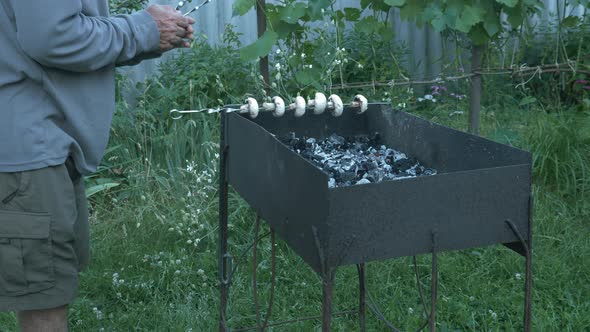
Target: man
[{"x": 57, "y": 86}]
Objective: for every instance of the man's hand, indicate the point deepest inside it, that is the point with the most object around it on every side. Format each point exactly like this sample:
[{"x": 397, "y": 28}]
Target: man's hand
[{"x": 174, "y": 28}]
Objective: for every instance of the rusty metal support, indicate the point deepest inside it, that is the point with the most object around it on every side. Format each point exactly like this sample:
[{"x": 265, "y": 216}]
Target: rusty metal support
[
  {"x": 528, "y": 291},
  {"x": 528, "y": 286},
  {"x": 327, "y": 299},
  {"x": 254, "y": 274},
  {"x": 273, "y": 276},
  {"x": 434, "y": 283},
  {"x": 362, "y": 298},
  {"x": 223, "y": 256}
]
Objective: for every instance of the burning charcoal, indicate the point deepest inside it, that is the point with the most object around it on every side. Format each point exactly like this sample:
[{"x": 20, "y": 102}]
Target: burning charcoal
[
  {"x": 363, "y": 181},
  {"x": 355, "y": 160},
  {"x": 332, "y": 183}
]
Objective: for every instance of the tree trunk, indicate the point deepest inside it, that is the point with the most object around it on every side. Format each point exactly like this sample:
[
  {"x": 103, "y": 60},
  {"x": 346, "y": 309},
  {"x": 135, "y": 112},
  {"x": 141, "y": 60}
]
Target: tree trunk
[
  {"x": 261, "y": 19},
  {"x": 477, "y": 52}
]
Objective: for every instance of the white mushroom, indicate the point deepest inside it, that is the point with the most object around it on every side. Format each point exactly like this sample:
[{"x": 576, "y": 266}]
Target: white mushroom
[
  {"x": 319, "y": 103},
  {"x": 361, "y": 102},
  {"x": 299, "y": 106},
  {"x": 279, "y": 104},
  {"x": 251, "y": 107},
  {"x": 336, "y": 105}
]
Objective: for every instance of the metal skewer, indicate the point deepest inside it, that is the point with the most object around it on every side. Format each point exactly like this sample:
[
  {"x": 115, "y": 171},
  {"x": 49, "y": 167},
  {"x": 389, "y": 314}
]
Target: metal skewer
[
  {"x": 333, "y": 104},
  {"x": 197, "y": 7}
]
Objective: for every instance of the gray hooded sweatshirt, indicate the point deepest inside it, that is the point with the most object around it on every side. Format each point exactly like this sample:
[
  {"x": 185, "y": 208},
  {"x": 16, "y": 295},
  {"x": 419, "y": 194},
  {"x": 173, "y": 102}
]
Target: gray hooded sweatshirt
[{"x": 57, "y": 78}]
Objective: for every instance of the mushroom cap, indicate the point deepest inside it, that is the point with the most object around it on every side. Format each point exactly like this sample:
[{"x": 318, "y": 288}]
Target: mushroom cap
[
  {"x": 252, "y": 107},
  {"x": 364, "y": 103},
  {"x": 338, "y": 105},
  {"x": 279, "y": 106},
  {"x": 320, "y": 103},
  {"x": 300, "y": 105}
]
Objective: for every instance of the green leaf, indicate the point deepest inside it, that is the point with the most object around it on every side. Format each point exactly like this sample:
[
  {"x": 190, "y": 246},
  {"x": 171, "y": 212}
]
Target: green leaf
[
  {"x": 508, "y": 3},
  {"x": 315, "y": 8},
  {"x": 352, "y": 14},
  {"x": 395, "y": 3},
  {"x": 93, "y": 190},
  {"x": 241, "y": 7},
  {"x": 434, "y": 14},
  {"x": 478, "y": 35},
  {"x": 471, "y": 16},
  {"x": 261, "y": 47},
  {"x": 368, "y": 25},
  {"x": 293, "y": 12},
  {"x": 412, "y": 10},
  {"x": 527, "y": 101},
  {"x": 492, "y": 25},
  {"x": 570, "y": 21},
  {"x": 515, "y": 16},
  {"x": 304, "y": 77}
]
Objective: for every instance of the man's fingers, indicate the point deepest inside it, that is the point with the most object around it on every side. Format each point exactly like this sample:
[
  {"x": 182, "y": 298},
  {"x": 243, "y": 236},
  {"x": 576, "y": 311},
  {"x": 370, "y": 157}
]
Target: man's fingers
[
  {"x": 181, "y": 33},
  {"x": 185, "y": 22}
]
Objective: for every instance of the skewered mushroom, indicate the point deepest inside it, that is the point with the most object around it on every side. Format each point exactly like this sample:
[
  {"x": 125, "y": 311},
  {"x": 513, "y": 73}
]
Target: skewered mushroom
[
  {"x": 361, "y": 102},
  {"x": 335, "y": 105},
  {"x": 318, "y": 104},
  {"x": 277, "y": 106},
  {"x": 251, "y": 107},
  {"x": 299, "y": 106}
]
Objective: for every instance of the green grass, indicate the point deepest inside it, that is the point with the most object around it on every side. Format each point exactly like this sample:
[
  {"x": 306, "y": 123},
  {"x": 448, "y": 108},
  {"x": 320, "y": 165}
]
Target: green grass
[{"x": 154, "y": 241}]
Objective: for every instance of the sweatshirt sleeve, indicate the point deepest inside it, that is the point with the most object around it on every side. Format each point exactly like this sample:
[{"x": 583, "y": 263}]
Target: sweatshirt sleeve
[{"x": 56, "y": 34}]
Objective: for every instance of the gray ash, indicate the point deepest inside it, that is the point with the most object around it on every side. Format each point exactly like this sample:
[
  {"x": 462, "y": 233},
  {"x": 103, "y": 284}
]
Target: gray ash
[{"x": 358, "y": 159}]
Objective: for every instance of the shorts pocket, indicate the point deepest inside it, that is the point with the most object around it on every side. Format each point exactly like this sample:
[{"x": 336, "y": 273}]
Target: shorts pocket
[{"x": 26, "y": 264}]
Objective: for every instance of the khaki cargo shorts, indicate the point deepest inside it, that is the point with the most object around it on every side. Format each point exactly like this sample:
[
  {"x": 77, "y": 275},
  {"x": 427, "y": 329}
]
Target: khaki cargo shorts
[{"x": 44, "y": 239}]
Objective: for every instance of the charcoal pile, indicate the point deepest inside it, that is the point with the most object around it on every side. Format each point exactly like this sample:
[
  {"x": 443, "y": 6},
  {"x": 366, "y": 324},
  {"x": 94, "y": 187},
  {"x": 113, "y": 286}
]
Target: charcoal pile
[{"x": 354, "y": 160}]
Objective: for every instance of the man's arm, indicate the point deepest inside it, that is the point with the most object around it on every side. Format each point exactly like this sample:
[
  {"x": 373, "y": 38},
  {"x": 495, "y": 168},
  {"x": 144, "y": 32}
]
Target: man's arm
[{"x": 56, "y": 34}]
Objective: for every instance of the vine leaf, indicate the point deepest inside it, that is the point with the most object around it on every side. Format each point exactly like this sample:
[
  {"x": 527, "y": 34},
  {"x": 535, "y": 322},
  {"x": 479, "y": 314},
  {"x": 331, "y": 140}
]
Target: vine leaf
[
  {"x": 241, "y": 7},
  {"x": 515, "y": 16},
  {"x": 293, "y": 12},
  {"x": 368, "y": 25},
  {"x": 261, "y": 47},
  {"x": 471, "y": 16},
  {"x": 508, "y": 3},
  {"x": 434, "y": 14},
  {"x": 316, "y": 6},
  {"x": 570, "y": 21},
  {"x": 395, "y": 3},
  {"x": 352, "y": 14}
]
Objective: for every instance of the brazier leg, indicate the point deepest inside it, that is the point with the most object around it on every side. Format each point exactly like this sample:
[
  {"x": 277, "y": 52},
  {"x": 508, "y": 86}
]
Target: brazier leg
[
  {"x": 362, "y": 298},
  {"x": 434, "y": 284},
  {"x": 327, "y": 297},
  {"x": 223, "y": 256}
]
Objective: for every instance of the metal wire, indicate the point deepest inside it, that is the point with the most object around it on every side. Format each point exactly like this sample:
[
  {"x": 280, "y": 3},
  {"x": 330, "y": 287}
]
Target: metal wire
[{"x": 244, "y": 253}]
